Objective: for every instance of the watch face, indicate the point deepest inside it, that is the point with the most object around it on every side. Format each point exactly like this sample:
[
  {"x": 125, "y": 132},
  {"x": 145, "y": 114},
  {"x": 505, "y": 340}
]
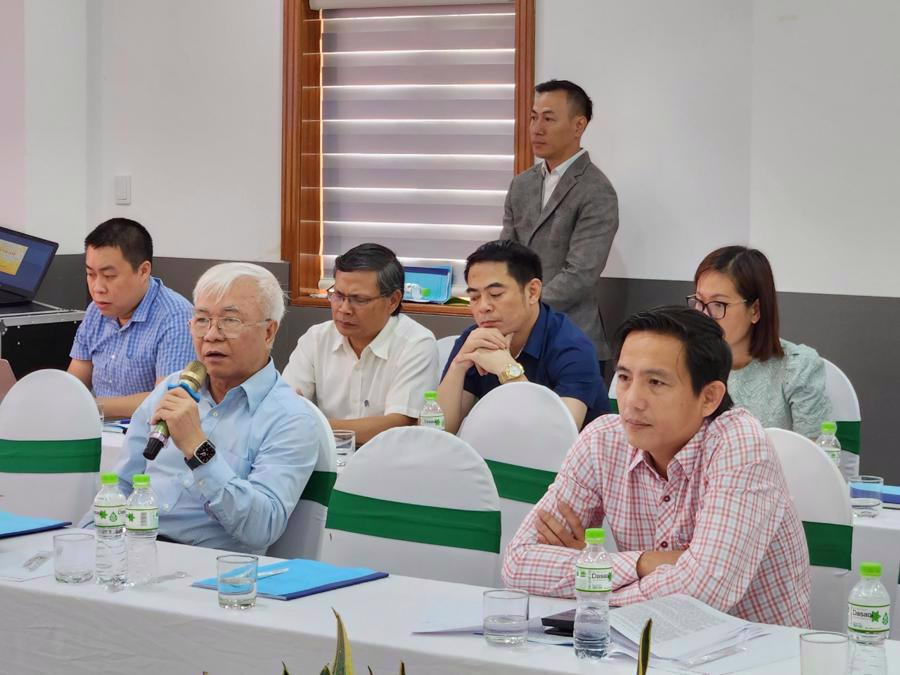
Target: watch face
[
  {"x": 514, "y": 370},
  {"x": 205, "y": 452}
]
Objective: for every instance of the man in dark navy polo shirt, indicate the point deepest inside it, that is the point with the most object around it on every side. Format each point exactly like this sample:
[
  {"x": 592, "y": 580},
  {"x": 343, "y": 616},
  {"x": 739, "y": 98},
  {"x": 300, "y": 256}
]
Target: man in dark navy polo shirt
[{"x": 517, "y": 338}]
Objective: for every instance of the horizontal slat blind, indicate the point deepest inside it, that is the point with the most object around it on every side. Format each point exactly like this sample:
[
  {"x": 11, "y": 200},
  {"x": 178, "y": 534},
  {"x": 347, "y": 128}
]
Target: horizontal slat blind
[{"x": 417, "y": 109}]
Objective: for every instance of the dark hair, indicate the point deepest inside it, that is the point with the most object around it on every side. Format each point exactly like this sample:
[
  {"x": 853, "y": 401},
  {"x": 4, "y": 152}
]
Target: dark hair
[
  {"x": 374, "y": 258},
  {"x": 751, "y": 273},
  {"x": 707, "y": 354},
  {"x": 522, "y": 263},
  {"x": 129, "y": 236},
  {"x": 579, "y": 102}
]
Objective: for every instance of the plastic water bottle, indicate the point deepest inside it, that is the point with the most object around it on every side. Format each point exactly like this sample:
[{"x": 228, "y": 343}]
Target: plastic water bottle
[
  {"x": 869, "y": 621},
  {"x": 416, "y": 292},
  {"x": 593, "y": 585},
  {"x": 829, "y": 443},
  {"x": 141, "y": 527},
  {"x": 109, "y": 520},
  {"x": 431, "y": 415}
]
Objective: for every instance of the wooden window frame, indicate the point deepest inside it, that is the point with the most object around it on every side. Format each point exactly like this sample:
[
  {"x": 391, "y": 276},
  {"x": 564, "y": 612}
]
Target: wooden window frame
[{"x": 301, "y": 154}]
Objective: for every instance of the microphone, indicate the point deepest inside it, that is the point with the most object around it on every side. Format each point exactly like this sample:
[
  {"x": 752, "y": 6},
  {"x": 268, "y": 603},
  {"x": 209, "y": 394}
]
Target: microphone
[{"x": 191, "y": 379}]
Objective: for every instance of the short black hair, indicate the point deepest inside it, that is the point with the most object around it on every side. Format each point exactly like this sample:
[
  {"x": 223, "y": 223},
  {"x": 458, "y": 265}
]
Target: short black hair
[
  {"x": 579, "y": 102},
  {"x": 129, "y": 236},
  {"x": 523, "y": 263},
  {"x": 374, "y": 258},
  {"x": 707, "y": 354}
]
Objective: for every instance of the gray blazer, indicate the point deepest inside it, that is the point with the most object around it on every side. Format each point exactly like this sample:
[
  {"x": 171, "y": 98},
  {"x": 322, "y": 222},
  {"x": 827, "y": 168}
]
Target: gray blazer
[{"x": 572, "y": 235}]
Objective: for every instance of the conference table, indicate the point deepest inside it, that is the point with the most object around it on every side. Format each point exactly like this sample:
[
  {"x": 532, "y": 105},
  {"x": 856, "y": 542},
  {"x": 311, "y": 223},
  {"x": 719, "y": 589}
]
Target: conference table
[{"x": 174, "y": 628}]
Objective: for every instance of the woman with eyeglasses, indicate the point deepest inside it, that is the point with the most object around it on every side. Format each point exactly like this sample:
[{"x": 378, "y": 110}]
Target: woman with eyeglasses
[{"x": 781, "y": 383}]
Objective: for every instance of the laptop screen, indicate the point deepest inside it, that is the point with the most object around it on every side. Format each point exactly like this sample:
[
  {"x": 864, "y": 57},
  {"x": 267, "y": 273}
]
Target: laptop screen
[{"x": 24, "y": 260}]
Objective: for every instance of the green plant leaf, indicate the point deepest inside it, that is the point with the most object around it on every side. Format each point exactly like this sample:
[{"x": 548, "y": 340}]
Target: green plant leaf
[
  {"x": 644, "y": 649},
  {"x": 325, "y": 670},
  {"x": 370, "y": 671},
  {"x": 343, "y": 659},
  {"x": 402, "y": 668},
  {"x": 284, "y": 670}
]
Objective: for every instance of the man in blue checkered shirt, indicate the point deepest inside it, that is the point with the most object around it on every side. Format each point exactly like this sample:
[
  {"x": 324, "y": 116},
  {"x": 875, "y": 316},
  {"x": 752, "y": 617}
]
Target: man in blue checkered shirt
[{"x": 135, "y": 332}]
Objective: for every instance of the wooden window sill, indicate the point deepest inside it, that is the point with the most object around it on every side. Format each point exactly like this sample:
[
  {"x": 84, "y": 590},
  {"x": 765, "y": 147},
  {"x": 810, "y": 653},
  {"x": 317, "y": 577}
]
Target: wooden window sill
[{"x": 408, "y": 307}]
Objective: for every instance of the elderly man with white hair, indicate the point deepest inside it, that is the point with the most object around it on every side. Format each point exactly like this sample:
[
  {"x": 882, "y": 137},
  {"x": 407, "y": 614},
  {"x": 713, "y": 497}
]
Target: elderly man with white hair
[{"x": 238, "y": 459}]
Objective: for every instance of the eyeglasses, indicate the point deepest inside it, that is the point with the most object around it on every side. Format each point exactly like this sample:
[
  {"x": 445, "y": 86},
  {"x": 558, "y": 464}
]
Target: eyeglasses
[
  {"x": 337, "y": 298},
  {"x": 230, "y": 326},
  {"x": 714, "y": 309}
]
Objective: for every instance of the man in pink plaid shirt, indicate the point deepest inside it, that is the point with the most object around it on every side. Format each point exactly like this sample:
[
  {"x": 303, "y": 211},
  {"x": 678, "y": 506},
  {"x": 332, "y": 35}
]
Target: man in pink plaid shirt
[{"x": 691, "y": 490}]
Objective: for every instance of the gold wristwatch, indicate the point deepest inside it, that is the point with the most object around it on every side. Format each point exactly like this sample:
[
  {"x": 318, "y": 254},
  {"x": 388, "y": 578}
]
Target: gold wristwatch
[{"x": 512, "y": 372}]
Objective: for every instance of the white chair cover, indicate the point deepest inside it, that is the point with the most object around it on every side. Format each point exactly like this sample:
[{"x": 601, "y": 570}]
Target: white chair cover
[
  {"x": 524, "y": 431},
  {"x": 49, "y": 446},
  {"x": 845, "y": 411},
  {"x": 408, "y": 503},
  {"x": 302, "y": 537},
  {"x": 823, "y": 501},
  {"x": 444, "y": 347}
]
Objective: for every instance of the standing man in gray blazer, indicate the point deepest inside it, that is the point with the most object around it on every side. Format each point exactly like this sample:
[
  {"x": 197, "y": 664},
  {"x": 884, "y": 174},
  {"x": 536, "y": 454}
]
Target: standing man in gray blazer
[{"x": 565, "y": 209}]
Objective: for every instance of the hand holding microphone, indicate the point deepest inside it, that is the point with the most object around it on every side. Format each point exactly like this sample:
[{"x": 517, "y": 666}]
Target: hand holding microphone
[{"x": 179, "y": 410}]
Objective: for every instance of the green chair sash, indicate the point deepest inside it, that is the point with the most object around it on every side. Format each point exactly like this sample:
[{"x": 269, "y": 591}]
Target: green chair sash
[
  {"x": 319, "y": 486},
  {"x": 848, "y": 434},
  {"x": 614, "y": 406},
  {"x": 829, "y": 545},
  {"x": 457, "y": 528},
  {"x": 520, "y": 483},
  {"x": 70, "y": 456}
]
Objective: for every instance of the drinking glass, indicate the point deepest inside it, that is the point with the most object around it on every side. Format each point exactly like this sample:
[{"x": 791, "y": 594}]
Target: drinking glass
[
  {"x": 237, "y": 580},
  {"x": 73, "y": 557},
  {"x": 865, "y": 495},
  {"x": 505, "y": 617},
  {"x": 345, "y": 445},
  {"x": 823, "y": 653}
]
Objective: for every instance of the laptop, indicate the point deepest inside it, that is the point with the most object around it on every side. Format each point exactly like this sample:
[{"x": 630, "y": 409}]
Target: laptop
[{"x": 24, "y": 261}]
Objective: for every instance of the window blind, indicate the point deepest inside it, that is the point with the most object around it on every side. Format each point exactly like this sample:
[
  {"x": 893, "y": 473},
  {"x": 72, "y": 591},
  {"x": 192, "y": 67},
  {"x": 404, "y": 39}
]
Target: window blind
[{"x": 417, "y": 125}]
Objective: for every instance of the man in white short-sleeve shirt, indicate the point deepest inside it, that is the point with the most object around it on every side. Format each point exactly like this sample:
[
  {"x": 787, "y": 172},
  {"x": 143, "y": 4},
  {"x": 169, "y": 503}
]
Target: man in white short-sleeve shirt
[{"x": 369, "y": 367}]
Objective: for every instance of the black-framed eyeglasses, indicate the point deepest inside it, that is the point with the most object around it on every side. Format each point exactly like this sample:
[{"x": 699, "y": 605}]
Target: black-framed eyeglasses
[
  {"x": 337, "y": 298},
  {"x": 715, "y": 309}
]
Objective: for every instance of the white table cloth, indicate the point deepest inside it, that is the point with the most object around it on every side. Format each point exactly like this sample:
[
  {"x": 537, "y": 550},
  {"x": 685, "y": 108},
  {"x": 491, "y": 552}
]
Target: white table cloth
[{"x": 48, "y": 627}]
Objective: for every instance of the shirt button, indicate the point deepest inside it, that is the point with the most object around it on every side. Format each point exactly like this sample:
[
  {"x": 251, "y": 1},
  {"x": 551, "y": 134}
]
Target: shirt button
[
  {"x": 667, "y": 498},
  {"x": 113, "y": 356},
  {"x": 664, "y": 544},
  {"x": 215, "y": 414},
  {"x": 166, "y": 507}
]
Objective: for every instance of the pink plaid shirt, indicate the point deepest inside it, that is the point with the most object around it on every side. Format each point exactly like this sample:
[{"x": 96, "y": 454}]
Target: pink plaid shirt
[{"x": 725, "y": 503}]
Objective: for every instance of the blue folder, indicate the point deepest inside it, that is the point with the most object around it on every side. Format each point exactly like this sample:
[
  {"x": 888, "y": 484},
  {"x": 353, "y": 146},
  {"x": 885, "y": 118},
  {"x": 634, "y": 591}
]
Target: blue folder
[
  {"x": 890, "y": 494},
  {"x": 304, "y": 577},
  {"x": 13, "y": 525}
]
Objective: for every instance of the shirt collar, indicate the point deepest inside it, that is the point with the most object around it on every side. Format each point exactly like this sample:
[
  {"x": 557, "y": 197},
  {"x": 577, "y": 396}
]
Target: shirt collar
[
  {"x": 684, "y": 461},
  {"x": 534, "y": 346},
  {"x": 256, "y": 387},
  {"x": 380, "y": 346},
  {"x": 142, "y": 311},
  {"x": 563, "y": 166}
]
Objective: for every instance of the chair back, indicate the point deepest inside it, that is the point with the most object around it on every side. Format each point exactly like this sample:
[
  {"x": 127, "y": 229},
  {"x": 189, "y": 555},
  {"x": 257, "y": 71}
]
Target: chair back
[
  {"x": 846, "y": 413},
  {"x": 49, "y": 446},
  {"x": 822, "y": 500},
  {"x": 419, "y": 502},
  {"x": 523, "y": 431},
  {"x": 302, "y": 538},
  {"x": 444, "y": 347},
  {"x": 7, "y": 378}
]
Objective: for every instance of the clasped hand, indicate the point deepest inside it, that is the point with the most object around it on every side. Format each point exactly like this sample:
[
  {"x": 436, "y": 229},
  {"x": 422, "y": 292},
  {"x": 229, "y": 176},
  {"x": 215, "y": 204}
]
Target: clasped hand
[
  {"x": 180, "y": 413},
  {"x": 487, "y": 349}
]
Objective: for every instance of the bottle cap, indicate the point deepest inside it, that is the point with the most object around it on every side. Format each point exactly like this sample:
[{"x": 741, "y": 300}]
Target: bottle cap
[
  {"x": 829, "y": 428},
  {"x": 140, "y": 480},
  {"x": 870, "y": 569},
  {"x": 431, "y": 396},
  {"x": 594, "y": 535},
  {"x": 108, "y": 479}
]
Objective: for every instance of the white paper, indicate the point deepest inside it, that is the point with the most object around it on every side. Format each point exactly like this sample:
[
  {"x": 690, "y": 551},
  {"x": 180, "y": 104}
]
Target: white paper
[{"x": 11, "y": 566}]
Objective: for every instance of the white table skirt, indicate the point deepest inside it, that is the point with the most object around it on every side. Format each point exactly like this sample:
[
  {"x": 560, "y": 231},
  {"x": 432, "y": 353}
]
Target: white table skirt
[{"x": 48, "y": 627}]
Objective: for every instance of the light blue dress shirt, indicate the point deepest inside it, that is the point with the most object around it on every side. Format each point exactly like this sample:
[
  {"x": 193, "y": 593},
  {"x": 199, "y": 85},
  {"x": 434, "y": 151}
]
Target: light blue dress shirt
[
  {"x": 130, "y": 359},
  {"x": 267, "y": 442}
]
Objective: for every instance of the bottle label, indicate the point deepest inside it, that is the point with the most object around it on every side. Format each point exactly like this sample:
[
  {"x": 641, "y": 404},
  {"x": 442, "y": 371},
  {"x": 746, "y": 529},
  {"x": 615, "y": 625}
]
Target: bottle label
[
  {"x": 593, "y": 578},
  {"x": 142, "y": 519},
  {"x": 109, "y": 516},
  {"x": 868, "y": 619},
  {"x": 433, "y": 421}
]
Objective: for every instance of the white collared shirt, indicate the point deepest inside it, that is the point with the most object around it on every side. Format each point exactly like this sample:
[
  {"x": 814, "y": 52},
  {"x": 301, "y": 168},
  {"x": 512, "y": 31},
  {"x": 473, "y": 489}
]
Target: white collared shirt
[
  {"x": 552, "y": 178},
  {"x": 390, "y": 376}
]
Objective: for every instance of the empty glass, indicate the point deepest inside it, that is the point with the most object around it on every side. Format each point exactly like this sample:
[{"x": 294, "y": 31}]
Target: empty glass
[
  {"x": 823, "y": 653},
  {"x": 73, "y": 557},
  {"x": 505, "y": 617},
  {"x": 865, "y": 495},
  {"x": 237, "y": 580},
  {"x": 345, "y": 445}
]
